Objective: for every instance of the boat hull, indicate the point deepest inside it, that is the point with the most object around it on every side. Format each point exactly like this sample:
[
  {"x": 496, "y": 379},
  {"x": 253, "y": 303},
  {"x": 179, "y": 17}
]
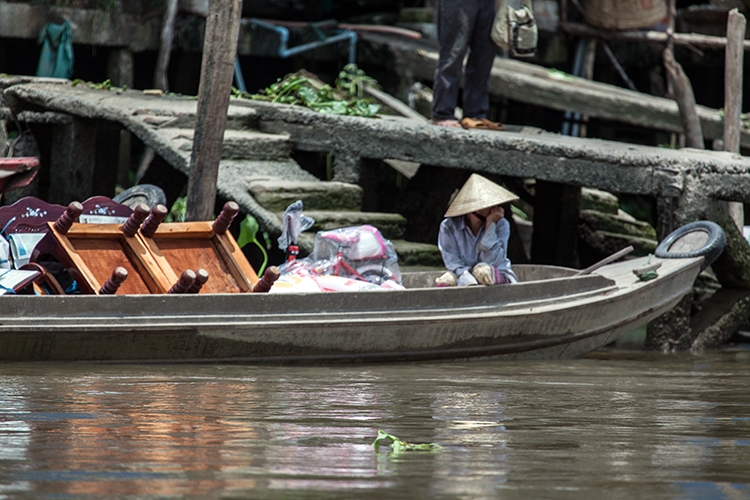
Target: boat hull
[{"x": 555, "y": 318}]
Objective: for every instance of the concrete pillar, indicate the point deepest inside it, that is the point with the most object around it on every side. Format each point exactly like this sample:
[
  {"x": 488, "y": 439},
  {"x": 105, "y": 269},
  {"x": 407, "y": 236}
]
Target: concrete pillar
[
  {"x": 108, "y": 146},
  {"x": 120, "y": 73},
  {"x": 120, "y": 67},
  {"x": 72, "y": 162},
  {"x": 555, "y": 237},
  {"x": 346, "y": 168},
  {"x": 361, "y": 171}
]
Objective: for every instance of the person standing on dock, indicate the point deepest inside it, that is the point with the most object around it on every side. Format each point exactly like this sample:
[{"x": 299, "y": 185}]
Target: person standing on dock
[
  {"x": 473, "y": 238},
  {"x": 464, "y": 25}
]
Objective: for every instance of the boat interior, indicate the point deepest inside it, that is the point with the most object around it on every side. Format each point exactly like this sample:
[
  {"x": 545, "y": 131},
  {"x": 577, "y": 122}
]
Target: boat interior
[{"x": 107, "y": 248}]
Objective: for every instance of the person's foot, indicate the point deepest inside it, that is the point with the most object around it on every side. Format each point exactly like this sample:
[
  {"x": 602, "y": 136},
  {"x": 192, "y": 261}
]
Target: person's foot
[
  {"x": 445, "y": 123},
  {"x": 481, "y": 123}
]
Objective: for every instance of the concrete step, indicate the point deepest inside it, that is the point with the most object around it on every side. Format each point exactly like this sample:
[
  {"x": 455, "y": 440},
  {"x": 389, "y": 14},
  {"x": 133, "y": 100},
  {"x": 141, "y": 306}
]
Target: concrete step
[
  {"x": 238, "y": 144},
  {"x": 391, "y": 226},
  {"x": 245, "y": 145},
  {"x": 412, "y": 256},
  {"x": 248, "y": 172},
  {"x": 418, "y": 255},
  {"x": 181, "y": 114},
  {"x": 276, "y": 194}
]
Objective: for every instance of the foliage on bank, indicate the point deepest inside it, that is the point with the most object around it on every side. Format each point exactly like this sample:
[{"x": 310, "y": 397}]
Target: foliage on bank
[{"x": 346, "y": 97}]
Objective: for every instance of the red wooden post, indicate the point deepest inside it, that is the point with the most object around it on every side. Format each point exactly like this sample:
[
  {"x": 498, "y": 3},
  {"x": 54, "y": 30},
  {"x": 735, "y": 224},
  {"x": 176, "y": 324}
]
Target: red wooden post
[
  {"x": 130, "y": 227},
  {"x": 201, "y": 276},
  {"x": 119, "y": 275},
  {"x": 266, "y": 282},
  {"x": 151, "y": 224},
  {"x": 187, "y": 278},
  {"x": 224, "y": 220},
  {"x": 66, "y": 220}
]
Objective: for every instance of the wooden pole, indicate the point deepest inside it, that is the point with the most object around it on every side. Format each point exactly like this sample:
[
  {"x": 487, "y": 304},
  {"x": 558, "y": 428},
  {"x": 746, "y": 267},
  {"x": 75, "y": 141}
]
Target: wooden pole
[
  {"x": 165, "y": 50},
  {"x": 683, "y": 90},
  {"x": 734, "y": 64},
  {"x": 160, "y": 75},
  {"x": 217, "y": 71},
  {"x": 657, "y": 37},
  {"x": 733, "y": 80},
  {"x": 588, "y": 74}
]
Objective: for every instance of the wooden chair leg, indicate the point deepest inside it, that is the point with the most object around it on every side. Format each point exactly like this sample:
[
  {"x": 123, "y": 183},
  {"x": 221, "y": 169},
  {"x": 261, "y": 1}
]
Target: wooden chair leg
[
  {"x": 186, "y": 280},
  {"x": 46, "y": 284},
  {"x": 201, "y": 277},
  {"x": 119, "y": 275},
  {"x": 266, "y": 282}
]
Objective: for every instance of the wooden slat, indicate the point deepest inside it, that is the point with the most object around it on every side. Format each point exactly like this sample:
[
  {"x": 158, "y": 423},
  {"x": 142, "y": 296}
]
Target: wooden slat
[
  {"x": 94, "y": 250},
  {"x": 193, "y": 254},
  {"x": 179, "y": 246},
  {"x": 87, "y": 281},
  {"x": 102, "y": 256},
  {"x": 243, "y": 270}
]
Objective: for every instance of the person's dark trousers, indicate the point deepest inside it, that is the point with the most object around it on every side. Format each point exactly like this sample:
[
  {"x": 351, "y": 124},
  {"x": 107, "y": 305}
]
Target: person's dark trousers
[{"x": 462, "y": 25}]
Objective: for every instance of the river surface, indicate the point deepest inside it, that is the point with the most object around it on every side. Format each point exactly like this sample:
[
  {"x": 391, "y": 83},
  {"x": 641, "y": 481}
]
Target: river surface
[{"x": 611, "y": 425}]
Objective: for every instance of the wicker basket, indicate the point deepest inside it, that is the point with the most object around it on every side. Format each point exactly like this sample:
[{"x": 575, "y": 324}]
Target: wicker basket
[{"x": 624, "y": 14}]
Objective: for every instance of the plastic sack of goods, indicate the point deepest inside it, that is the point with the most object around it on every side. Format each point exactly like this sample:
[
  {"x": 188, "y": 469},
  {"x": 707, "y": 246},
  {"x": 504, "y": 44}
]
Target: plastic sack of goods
[{"x": 347, "y": 259}]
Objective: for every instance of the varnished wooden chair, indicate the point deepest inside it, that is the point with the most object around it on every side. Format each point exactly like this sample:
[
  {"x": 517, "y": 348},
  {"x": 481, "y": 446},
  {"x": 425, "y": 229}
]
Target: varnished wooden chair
[{"x": 178, "y": 247}]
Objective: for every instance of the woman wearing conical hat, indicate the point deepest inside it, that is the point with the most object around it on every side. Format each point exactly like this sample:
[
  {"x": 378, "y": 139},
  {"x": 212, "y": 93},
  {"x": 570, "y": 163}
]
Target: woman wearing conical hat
[{"x": 473, "y": 238}]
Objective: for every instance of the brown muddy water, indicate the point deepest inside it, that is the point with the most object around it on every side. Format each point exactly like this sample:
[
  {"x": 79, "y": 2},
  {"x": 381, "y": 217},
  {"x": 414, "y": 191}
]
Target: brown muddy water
[{"x": 612, "y": 425}]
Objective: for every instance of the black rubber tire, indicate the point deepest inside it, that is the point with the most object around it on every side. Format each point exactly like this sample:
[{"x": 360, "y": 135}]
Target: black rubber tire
[
  {"x": 710, "y": 250},
  {"x": 375, "y": 274},
  {"x": 143, "y": 193}
]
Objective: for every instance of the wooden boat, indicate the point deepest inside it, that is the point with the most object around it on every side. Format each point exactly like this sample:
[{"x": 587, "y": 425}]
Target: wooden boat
[{"x": 551, "y": 313}]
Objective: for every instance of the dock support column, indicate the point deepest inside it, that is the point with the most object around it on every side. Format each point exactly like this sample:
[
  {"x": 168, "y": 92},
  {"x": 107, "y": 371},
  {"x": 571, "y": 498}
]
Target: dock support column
[
  {"x": 556, "y": 211},
  {"x": 120, "y": 73},
  {"x": 361, "y": 171},
  {"x": 72, "y": 164},
  {"x": 729, "y": 307}
]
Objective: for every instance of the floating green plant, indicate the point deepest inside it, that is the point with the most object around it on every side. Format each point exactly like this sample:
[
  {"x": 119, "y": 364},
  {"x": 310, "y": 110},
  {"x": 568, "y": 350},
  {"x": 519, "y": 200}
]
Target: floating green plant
[{"x": 399, "y": 445}]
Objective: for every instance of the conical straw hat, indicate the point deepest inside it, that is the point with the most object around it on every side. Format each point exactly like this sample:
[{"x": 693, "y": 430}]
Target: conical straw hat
[{"x": 476, "y": 194}]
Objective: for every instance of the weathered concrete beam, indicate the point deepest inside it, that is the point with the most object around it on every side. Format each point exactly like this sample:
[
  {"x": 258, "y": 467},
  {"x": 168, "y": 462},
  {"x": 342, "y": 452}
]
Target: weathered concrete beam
[
  {"x": 607, "y": 165},
  {"x": 611, "y": 166},
  {"x": 90, "y": 26},
  {"x": 533, "y": 84}
]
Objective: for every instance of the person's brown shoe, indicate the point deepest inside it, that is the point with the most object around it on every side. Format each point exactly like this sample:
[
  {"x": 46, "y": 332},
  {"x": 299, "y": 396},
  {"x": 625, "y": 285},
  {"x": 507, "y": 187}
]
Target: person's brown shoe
[{"x": 481, "y": 123}]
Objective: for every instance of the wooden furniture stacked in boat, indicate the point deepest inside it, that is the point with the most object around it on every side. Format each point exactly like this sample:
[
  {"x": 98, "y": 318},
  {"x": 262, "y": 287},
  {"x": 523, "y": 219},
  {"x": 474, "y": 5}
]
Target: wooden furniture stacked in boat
[
  {"x": 209, "y": 246},
  {"x": 126, "y": 251},
  {"x": 145, "y": 256}
]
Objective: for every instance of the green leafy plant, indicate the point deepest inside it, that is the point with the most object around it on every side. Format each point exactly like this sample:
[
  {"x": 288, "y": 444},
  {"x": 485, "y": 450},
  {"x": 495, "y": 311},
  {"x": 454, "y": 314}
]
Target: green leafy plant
[
  {"x": 177, "y": 212},
  {"x": 399, "y": 445},
  {"x": 105, "y": 85},
  {"x": 346, "y": 98},
  {"x": 248, "y": 234},
  {"x": 353, "y": 80}
]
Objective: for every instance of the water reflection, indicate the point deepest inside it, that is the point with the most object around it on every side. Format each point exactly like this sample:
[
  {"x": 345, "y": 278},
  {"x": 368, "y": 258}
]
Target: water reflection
[{"x": 611, "y": 425}]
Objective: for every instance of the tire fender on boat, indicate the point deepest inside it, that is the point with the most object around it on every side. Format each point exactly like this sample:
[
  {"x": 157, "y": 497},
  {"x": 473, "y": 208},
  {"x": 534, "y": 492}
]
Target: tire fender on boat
[
  {"x": 697, "y": 239},
  {"x": 149, "y": 194}
]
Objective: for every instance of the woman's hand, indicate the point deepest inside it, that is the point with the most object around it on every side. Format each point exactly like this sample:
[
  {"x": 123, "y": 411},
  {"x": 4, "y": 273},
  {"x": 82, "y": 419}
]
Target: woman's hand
[{"x": 496, "y": 213}]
